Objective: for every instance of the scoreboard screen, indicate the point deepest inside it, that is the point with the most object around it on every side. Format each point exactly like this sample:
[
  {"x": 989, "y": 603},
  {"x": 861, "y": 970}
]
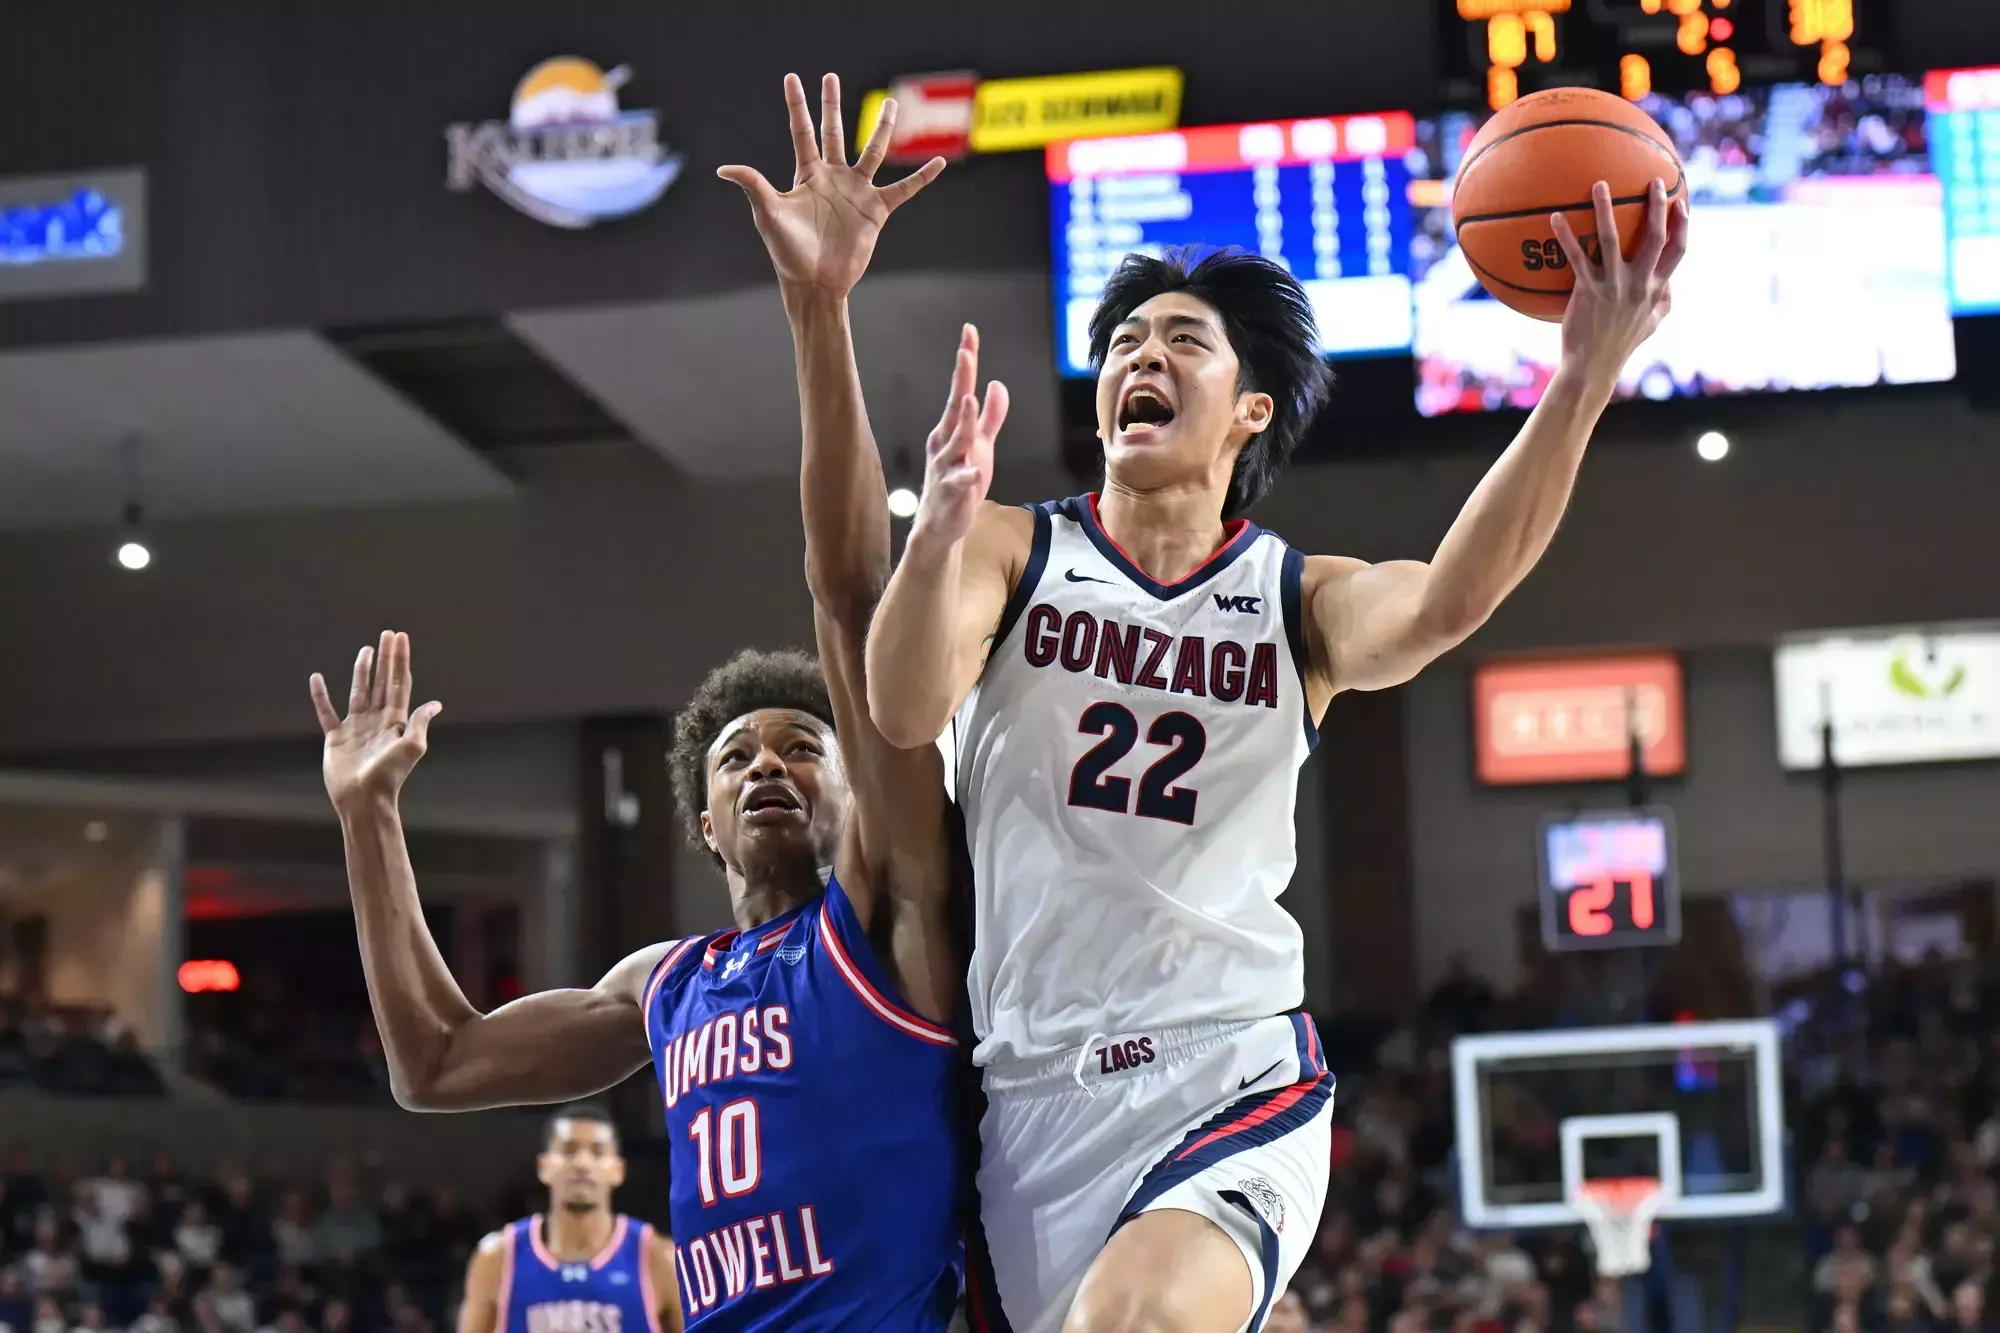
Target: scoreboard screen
[
  {"x": 1493, "y": 51},
  {"x": 1609, "y": 880},
  {"x": 1818, "y": 260},
  {"x": 1327, "y": 198},
  {"x": 1965, "y": 153}
]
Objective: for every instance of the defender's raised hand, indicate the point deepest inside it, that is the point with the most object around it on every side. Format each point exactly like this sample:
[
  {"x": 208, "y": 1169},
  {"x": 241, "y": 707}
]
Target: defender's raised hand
[
  {"x": 1618, "y": 302},
  {"x": 371, "y": 751},
  {"x": 958, "y": 456},
  {"x": 821, "y": 232}
]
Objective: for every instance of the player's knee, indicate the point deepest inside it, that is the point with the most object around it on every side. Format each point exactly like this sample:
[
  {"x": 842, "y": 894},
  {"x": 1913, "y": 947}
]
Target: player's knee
[{"x": 1126, "y": 1310}]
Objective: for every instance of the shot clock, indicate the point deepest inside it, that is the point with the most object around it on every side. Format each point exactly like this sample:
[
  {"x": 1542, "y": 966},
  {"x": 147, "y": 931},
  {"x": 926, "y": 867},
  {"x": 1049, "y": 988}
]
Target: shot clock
[
  {"x": 1609, "y": 880},
  {"x": 1495, "y": 51}
]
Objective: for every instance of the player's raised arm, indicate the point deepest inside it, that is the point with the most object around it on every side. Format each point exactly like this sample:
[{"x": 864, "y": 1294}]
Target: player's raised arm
[
  {"x": 443, "y": 1054},
  {"x": 1377, "y": 625},
  {"x": 944, "y": 602},
  {"x": 821, "y": 234}
]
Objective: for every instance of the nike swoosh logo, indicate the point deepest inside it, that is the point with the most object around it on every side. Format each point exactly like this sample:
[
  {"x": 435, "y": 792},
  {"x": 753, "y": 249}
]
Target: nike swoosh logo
[
  {"x": 1259, "y": 1077},
  {"x": 1075, "y": 577}
]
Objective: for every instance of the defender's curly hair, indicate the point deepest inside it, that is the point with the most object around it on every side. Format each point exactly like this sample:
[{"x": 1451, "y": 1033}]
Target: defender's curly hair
[
  {"x": 1269, "y": 321},
  {"x": 748, "y": 682}
]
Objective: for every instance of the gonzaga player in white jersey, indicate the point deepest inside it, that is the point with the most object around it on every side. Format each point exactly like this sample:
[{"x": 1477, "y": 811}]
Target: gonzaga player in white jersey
[{"x": 1131, "y": 681}]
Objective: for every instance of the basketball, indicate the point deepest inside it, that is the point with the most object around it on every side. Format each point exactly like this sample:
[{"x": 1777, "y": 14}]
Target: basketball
[{"x": 1541, "y": 156}]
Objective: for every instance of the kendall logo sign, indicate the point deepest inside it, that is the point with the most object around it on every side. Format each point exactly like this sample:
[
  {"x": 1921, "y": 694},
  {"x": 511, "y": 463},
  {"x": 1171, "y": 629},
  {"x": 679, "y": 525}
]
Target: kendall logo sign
[{"x": 566, "y": 155}]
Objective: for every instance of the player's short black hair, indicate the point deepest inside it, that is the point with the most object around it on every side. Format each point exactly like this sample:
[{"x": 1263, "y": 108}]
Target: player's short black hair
[
  {"x": 1270, "y": 325},
  {"x": 594, "y": 1112},
  {"x": 749, "y": 682}
]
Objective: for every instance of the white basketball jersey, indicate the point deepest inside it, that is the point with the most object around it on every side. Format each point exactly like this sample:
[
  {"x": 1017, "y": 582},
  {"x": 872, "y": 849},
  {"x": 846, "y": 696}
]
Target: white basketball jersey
[{"x": 1127, "y": 767}]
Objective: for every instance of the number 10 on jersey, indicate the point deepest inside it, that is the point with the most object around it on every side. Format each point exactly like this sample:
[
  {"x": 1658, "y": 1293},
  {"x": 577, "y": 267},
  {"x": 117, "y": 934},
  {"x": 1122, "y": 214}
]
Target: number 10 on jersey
[{"x": 1094, "y": 785}]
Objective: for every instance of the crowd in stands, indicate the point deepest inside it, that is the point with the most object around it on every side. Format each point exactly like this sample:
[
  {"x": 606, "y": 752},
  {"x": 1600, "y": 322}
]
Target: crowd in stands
[
  {"x": 71, "y": 1049},
  {"x": 1898, "y": 1136},
  {"x": 288, "y": 1055},
  {"x": 165, "y": 1253},
  {"x": 1893, "y": 1090}
]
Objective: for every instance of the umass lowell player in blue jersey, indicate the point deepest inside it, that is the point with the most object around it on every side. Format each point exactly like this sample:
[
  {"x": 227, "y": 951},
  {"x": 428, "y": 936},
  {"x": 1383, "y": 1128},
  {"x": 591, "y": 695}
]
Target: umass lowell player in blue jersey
[
  {"x": 805, "y": 1053},
  {"x": 738, "y": 1021},
  {"x": 578, "y": 1267}
]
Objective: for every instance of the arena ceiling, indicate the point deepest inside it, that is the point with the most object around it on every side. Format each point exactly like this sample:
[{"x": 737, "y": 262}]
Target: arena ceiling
[{"x": 416, "y": 413}]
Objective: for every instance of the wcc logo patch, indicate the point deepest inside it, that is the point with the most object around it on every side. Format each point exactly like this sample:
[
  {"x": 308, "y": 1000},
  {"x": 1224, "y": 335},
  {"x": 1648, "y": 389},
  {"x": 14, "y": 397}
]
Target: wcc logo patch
[{"x": 1249, "y": 606}]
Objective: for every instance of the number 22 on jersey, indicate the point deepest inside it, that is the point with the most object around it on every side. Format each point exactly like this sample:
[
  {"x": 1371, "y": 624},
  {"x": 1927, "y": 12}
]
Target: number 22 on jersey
[{"x": 1093, "y": 786}]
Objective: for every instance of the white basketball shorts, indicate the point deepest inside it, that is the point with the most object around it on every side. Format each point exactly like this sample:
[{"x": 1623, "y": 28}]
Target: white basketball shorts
[{"x": 1228, "y": 1120}]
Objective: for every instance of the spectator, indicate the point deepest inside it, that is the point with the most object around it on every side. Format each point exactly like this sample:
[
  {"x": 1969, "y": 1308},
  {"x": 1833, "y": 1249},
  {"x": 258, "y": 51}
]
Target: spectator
[
  {"x": 106, "y": 1248},
  {"x": 197, "y": 1241},
  {"x": 1904, "y": 1313},
  {"x": 91, "y": 1319},
  {"x": 166, "y": 1186},
  {"x": 243, "y": 1234},
  {"x": 348, "y": 1229},
  {"x": 1847, "y": 1257},
  {"x": 48, "y": 1267},
  {"x": 1968, "y": 1308},
  {"x": 205, "y": 1319},
  {"x": 292, "y": 1234},
  {"x": 234, "y": 1307},
  {"x": 336, "y": 1318},
  {"x": 157, "y": 1319},
  {"x": 49, "y": 1316},
  {"x": 17, "y": 1310},
  {"x": 118, "y": 1195}
]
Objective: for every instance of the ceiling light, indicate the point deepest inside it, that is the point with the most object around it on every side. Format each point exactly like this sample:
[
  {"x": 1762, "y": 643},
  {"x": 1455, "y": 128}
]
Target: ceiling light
[
  {"x": 903, "y": 502},
  {"x": 1712, "y": 447}
]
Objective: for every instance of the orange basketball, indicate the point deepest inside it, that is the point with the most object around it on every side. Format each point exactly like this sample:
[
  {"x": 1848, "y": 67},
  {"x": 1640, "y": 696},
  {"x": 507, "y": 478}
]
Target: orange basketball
[{"x": 1541, "y": 156}]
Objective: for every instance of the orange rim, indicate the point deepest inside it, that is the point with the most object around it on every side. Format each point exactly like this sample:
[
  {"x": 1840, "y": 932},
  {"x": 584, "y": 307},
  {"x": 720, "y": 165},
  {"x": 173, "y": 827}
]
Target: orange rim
[{"x": 1622, "y": 1193}]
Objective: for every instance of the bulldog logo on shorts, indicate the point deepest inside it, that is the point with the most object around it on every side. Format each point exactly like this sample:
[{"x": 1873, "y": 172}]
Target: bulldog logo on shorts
[{"x": 1268, "y": 1201}]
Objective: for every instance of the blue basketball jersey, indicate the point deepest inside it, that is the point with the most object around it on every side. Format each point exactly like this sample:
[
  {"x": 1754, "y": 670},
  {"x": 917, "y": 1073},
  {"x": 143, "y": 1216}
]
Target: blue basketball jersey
[
  {"x": 611, "y": 1293},
  {"x": 816, "y": 1162}
]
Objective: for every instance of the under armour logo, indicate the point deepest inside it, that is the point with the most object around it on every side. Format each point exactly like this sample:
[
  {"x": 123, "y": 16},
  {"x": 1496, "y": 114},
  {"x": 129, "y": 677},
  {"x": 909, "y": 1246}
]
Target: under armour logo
[
  {"x": 576, "y": 1273},
  {"x": 735, "y": 965},
  {"x": 1248, "y": 605}
]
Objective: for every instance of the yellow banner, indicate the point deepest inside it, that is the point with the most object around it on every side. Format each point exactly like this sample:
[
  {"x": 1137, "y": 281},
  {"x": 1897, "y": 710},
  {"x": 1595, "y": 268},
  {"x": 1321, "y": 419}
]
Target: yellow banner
[
  {"x": 1013, "y": 114},
  {"x": 1010, "y": 115}
]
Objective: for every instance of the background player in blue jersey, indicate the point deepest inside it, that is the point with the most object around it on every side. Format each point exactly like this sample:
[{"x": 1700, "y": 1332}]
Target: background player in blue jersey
[
  {"x": 578, "y": 1267},
  {"x": 803, "y": 1055}
]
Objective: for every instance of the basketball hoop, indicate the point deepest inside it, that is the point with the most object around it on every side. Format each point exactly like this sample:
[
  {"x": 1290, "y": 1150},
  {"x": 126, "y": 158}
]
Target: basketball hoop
[{"x": 1620, "y": 1210}]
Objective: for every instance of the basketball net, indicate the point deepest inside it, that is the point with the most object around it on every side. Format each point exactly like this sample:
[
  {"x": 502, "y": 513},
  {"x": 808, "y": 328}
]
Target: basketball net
[{"x": 1620, "y": 1211}]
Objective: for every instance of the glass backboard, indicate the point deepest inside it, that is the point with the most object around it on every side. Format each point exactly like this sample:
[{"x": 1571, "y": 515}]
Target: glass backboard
[{"x": 1538, "y": 1113}]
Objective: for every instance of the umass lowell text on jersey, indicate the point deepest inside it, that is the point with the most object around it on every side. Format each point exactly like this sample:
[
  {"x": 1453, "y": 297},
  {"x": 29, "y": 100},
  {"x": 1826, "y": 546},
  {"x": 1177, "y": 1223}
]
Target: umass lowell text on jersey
[
  {"x": 610, "y": 1293},
  {"x": 816, "y": 1168}
]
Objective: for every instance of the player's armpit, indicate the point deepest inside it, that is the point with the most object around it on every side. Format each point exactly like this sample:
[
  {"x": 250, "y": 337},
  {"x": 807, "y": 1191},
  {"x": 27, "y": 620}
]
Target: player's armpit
[
  {"x": 930, "y": 635},
  {"x": 479, "y": 1312},
  {"x": 666, "y": 1282},
  {"x": 1373, "y": 626},
  {"x": 553, "y": 1046}
]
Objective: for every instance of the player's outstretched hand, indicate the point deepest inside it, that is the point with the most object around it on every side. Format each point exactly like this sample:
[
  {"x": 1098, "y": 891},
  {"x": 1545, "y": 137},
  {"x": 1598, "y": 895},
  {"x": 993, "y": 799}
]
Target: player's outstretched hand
[
  {"x": 372, "y": 750},
  {"x": 958, "y": 456},
  {"x": 821, "y": 232},
  {"x": 1618, "y": 302}
]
